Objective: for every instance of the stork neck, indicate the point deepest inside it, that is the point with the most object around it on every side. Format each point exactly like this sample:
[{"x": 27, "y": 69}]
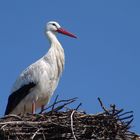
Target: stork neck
[
  {"x": 52, "y": 38},
  {"x": 55, "y": 54}
]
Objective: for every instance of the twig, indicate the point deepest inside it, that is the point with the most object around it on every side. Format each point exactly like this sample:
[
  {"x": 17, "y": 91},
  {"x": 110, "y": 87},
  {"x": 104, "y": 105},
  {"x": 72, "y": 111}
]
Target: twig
[
  {"x": 128, "y": 124},
  {"x": 113, "y": 106},
  {"x": 3, "y": 126},
  {"x": 50, "y": 106},
  {"x": 54, "y": 102},
  {"x": 44, "y": 138},
  {"x": 118, "y": 112},
  {"x": 61, "y": 101},
  {"x": 103, "y": 106},
  {"x": 128, "y": 117},
  {"x": 72, "y": 125},
  {"x": 12, "y": 115},
  {"x": 129, "y": 112},
  {"x": 22, "y": 123},
  {"x": 62, "y": 106},
  {"x": 35, "y": 134},
  {"x": 78, "y": 106}
]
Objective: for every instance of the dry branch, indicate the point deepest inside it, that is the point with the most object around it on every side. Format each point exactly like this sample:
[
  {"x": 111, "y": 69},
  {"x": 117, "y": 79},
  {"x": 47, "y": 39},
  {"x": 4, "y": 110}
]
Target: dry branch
[{"x": 58, "y": 122}]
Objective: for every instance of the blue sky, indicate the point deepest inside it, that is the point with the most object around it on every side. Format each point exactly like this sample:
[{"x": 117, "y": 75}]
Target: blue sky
[{"x": 103, "y": 62}]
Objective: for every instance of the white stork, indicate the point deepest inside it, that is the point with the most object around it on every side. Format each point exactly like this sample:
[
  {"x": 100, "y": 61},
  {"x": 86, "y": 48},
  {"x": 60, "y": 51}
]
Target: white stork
[{"x": 37, "y": 83}]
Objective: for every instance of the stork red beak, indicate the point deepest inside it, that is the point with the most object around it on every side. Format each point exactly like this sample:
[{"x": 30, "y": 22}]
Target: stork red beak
[{"x": 62, "y": 31}]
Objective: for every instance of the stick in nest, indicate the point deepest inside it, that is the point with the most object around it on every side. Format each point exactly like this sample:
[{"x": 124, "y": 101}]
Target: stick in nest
[
  {"x": 103, "y": 106},
  {"x": 71, "y": 117},
  {"x": 35, "y": 134},
  {"x": 66, "y": 102}
]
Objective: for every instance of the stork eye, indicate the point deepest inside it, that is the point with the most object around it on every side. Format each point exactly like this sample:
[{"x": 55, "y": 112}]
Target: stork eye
[{"x": 54, "y": 24}]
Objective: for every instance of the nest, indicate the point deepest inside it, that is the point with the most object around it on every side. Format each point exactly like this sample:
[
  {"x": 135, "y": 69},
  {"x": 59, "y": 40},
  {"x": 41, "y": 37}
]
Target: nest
[{"x": 61, "y": 123}]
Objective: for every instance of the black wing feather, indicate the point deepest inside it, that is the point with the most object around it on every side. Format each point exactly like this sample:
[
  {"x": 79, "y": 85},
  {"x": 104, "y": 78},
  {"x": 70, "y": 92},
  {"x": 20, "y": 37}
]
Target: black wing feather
[{"x": 15, "y": 98}]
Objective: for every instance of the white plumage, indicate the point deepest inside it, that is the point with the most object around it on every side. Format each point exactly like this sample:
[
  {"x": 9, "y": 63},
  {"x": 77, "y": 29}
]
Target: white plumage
[{"x": 37, "y": 83}]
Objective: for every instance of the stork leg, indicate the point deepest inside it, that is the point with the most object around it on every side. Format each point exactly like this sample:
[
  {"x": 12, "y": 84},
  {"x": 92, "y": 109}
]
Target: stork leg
[{"x": 33, "y": 107}]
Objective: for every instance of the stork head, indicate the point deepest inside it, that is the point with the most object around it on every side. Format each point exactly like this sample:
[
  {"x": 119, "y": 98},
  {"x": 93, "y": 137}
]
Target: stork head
[{"x": 54, "y": 27}]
